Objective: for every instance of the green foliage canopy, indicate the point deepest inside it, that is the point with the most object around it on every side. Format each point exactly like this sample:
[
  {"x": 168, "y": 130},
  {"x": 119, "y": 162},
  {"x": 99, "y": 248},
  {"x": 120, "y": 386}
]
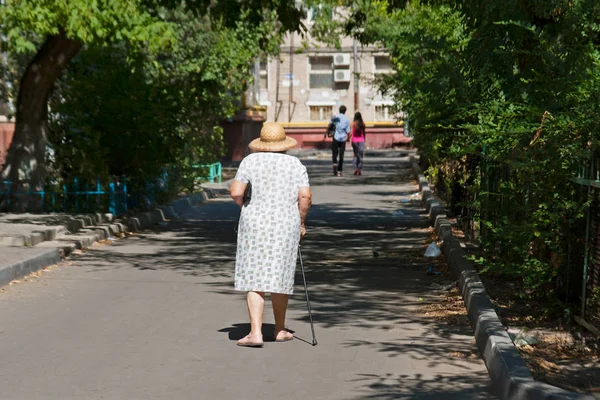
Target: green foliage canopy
[
  {"x": 179, "y": 66},
  {"x": 150, "y": 87},
  {"x": 94, "y": 21},
  {"x": 503, "y": 101},
  {"x": 111, "y": 116}
]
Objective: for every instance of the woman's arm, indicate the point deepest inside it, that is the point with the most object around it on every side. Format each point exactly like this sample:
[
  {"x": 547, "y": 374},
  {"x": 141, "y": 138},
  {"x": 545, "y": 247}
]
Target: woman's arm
[
  {"x": 304, "y": 203},
  {"x": 351, "y": 131},
  {"x": 236, "y": 191}
]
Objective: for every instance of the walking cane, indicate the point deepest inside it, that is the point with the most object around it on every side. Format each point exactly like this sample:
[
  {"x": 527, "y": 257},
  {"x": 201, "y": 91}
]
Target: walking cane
[{"x": 312, "y": 327}]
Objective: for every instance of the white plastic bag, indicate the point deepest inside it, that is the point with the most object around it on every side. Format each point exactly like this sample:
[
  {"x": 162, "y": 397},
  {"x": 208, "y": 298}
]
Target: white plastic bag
[{"x": 433, "y": 250}]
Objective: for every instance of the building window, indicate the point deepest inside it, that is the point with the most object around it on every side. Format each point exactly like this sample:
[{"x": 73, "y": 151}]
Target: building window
[
  {"x": 320, "y": 72},
  {"x": 321, "y": 113},
  {"x": 382, "y": 65},
  {"x": 383, "y": 113},
  {"x": 264, "y": 74},
  {"x": 320, "y": 11}
]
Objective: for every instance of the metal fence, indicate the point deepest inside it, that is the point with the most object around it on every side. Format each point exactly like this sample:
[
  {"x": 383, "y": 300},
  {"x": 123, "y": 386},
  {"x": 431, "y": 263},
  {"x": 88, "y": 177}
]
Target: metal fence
[
  {"x": 76, "y": 196},
  {"x": 116, "y": 196},
  {"x": 502, "y": 207},
  {"x": 588, "y": 176},
  {"x": 210, "y": 172}
]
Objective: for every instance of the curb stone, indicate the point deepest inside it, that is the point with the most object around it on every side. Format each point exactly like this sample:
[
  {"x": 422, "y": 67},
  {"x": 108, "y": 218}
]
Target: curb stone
[
  {"x": 510, "y": 376},
  {"x": 91, "y": 229},
  {"x": 28, "y": 265}
]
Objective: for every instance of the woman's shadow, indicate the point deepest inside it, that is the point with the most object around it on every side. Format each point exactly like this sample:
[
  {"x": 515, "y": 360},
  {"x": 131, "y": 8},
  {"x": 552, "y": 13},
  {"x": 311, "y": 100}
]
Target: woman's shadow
[{"x": 239, "y": 331}]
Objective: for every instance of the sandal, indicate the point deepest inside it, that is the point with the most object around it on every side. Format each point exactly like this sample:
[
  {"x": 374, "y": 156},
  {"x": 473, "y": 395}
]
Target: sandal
[
  {"x": 286, "y": 337},
  {"x": 248, "y": 342}
]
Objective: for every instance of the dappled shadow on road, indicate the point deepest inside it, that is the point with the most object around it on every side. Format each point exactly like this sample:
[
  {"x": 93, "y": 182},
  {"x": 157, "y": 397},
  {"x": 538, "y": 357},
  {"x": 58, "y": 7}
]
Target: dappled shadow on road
[
  {"x": 333, "y": 216},
  {"x": 420, "y": 387},
  {"x": 349, "y": 286},
  {"x": 205, "y": 245},
  {"x": 199, "y": 248},
  {"x": 375, "y": 172}
]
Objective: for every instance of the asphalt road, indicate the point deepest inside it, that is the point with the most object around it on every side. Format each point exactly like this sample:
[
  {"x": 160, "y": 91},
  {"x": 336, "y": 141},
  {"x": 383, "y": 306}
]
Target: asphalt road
[{"x": 154, "y": 316}]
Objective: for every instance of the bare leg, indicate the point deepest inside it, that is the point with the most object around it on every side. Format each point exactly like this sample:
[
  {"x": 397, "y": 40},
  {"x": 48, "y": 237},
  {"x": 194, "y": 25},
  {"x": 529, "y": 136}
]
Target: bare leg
[
  {"x": 256, "y": 306},
  {"x": 280, "y": 303}
]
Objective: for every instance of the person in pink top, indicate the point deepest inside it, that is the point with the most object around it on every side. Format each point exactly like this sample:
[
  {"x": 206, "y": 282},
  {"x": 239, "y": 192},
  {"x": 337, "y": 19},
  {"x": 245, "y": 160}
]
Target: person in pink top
[{"x": 358, "y": 142}]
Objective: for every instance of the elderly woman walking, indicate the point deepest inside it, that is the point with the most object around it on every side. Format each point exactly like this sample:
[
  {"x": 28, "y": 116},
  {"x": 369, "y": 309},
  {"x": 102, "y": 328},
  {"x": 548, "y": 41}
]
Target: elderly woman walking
[{"x": 270, "y": 227}]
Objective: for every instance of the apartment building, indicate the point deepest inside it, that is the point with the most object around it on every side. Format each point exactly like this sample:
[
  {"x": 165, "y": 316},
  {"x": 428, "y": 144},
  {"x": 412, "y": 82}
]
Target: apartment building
[{"x": 305, "y": 87}]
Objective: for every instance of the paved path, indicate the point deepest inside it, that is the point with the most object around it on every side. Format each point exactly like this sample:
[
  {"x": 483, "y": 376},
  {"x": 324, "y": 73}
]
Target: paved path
[{"x": 155, "y": 316}]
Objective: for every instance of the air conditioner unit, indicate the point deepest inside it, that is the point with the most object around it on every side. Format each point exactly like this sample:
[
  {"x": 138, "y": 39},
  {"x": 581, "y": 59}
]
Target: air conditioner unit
[
  {"x": 341, "y": 59},
  {"x": 342, "y": 75}
]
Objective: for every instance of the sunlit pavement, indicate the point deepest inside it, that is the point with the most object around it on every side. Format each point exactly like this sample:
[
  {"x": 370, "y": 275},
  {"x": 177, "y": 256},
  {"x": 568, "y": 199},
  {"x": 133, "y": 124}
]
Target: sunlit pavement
[{"x": 155, "y": 317}]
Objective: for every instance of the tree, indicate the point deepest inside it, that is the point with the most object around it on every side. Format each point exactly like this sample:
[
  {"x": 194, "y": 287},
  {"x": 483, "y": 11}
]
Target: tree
[
  {"x": 119, "y": 112},
  {"x": 503, "y": 99},
  {"x": 65, "y": 27}
]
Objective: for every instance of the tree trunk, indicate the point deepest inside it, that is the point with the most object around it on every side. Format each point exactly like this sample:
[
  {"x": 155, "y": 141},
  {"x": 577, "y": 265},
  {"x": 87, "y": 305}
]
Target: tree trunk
[{"x": 25, "y": 160}]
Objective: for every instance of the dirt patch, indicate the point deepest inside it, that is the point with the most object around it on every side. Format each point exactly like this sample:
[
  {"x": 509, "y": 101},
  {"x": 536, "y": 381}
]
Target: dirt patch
[
  {"x": 573, "y": 366},
  {"x": 562, "y": 354},
  {"x": 450, "y": 309},
  {"x": 561, "y": 357}
]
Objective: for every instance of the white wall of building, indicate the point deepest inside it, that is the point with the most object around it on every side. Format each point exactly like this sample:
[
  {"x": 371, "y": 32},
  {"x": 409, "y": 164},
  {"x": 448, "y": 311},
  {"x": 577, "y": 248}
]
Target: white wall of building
[{"x": 309, "y": 85}]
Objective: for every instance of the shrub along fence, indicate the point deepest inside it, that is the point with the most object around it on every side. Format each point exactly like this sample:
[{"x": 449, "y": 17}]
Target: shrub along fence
[{"x": 503, "y": 207}]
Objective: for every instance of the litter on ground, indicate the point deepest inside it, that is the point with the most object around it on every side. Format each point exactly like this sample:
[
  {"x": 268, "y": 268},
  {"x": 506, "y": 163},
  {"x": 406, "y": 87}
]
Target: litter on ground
[{"x": 433, "y": 250}]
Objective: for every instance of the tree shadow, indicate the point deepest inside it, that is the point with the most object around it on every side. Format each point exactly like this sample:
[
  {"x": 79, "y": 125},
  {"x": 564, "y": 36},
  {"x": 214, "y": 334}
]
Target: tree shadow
[
  {"x": 421, "y": 387},
  {"x": 349, "y": 287},
  {"x": 375, "y": 172}
]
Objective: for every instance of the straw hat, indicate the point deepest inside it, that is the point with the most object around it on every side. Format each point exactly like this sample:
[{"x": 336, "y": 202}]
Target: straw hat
[{"x": 272, "y": 138}]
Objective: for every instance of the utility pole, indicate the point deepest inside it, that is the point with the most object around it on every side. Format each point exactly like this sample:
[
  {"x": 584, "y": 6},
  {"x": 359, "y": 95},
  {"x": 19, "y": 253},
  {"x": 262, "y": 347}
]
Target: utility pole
[
  {"x": 356, "y": 76},
  {"x": 256, "y": 89}
]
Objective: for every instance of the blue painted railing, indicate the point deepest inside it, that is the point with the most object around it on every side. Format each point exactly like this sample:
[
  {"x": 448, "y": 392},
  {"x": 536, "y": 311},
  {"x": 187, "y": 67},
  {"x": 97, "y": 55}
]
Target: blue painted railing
[
  {"x": 112, "y": 196},
  {"x": 215, "y": 172},
  {"x": 74, "y": 197}
]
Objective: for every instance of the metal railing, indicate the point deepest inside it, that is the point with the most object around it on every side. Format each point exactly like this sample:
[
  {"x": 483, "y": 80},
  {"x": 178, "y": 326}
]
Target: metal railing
[
  {"x": 114, "y": 196},
  {"x": 72, "y": 197},
  {"x": 215, "y": 172}
]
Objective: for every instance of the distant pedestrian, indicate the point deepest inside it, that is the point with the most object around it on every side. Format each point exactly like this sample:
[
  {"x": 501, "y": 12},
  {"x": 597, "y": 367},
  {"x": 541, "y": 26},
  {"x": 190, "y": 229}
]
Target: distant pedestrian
[
  {"x": 358, "y": 142},
  {"x": 270, "y": 227},
  {"x": 340, "y": 137}
]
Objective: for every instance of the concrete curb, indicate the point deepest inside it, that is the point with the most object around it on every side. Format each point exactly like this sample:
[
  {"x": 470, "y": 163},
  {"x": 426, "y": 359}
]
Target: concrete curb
[
  {"x": 95, "y": 227},
  {"x": 31, "y": 239},
  {"x": 510, "y": 376},
  {"x": 28, "y": 265}
]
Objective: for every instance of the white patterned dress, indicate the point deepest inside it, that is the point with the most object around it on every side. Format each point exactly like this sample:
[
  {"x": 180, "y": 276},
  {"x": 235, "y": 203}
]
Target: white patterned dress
[{"x": 269, "y": 227}]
